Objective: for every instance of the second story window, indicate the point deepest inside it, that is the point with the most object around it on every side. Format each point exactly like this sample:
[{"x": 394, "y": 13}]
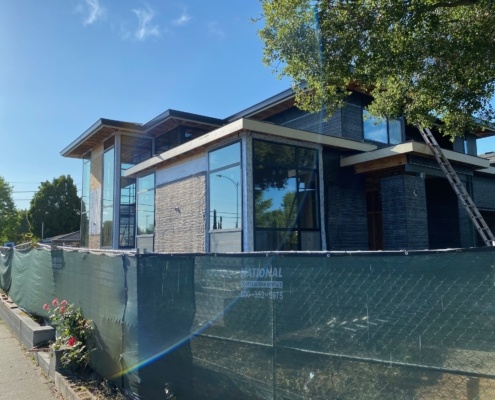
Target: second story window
[{"x": 388, "y": 131}]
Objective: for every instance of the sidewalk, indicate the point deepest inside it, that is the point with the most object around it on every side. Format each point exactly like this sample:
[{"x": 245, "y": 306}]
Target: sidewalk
[{"x": 20, "y": 378}]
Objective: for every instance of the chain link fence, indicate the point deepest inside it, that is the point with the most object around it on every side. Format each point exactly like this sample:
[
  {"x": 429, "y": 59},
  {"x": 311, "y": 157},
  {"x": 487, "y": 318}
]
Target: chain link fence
[
  {"x": 348, "y": 326},
  {"x": 380, "y": 325}
]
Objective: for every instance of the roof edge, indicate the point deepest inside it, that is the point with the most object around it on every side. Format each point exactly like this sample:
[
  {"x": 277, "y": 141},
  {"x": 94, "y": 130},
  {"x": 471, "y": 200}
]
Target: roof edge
[{"x": 111, "y": 123}]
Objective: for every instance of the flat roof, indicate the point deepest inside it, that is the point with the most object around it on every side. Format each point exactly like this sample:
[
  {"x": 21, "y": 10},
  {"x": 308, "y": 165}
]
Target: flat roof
[
  {"x": 104, "y": 128},
  {"x": 96, "y": 133},
  {"x": 244, "y": 124}
]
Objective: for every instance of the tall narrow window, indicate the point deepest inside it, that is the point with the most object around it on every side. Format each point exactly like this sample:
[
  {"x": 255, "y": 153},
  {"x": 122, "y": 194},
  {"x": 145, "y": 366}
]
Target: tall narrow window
[
  {"x": 108, "y": 191},
  {"x": 85, "y": 201},
  {"x": 133, "y": 150},
  {"x": 225, "y": 198},
  {"x": 285, "y": 189},
  {"x": 145, "y": 212}
]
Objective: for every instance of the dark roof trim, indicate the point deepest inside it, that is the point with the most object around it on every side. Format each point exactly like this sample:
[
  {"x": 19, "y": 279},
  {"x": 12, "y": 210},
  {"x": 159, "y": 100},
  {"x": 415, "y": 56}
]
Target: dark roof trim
[
  {"x": 270, "y": 102},
  {"x": 184, "y": 116},
  {"x": 102, "y": 122}
]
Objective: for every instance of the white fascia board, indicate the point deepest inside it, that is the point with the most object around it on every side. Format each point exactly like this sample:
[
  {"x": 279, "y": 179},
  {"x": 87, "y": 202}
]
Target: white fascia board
[
  {"x": 305, "y": 136},
  {"x": 413, "y": 148},
  {"x": 248, "y": 125},
  {"x": 194, "y": 144}
]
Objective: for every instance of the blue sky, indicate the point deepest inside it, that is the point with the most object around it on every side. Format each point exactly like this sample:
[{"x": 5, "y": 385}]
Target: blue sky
[{"x": 65, "y": 64}]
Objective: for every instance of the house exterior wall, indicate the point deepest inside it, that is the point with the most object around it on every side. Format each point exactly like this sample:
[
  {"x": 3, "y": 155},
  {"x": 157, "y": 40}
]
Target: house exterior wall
[
  {"x": 352, "y": 118},
  {"x": 95, "y": 187},
  {"x": 345, "y": 205},
  {"x": 346, "y": 122},
  {"x": 466, "y": 228},
  {"x": 484, "y": 192},
  {"x": 405, "y": 224},
  {"x": 180, "y": 207}
]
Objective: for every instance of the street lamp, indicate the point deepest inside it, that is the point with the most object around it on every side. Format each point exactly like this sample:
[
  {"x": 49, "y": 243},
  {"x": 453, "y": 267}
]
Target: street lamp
[{"x": 236, "y": 184}]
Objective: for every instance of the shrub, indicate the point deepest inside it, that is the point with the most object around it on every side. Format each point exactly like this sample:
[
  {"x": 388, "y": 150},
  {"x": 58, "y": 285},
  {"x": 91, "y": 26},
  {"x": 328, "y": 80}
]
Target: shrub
[{"x": 73, "y": 333}]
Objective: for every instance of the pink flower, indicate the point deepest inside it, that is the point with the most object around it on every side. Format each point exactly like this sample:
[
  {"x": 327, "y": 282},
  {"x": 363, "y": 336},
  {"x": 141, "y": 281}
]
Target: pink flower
[
  {"x": 71, "y": 342},
  {"x": 55, "y": 302},
  {"x": 46, "y": 307},
  {"x": 63, "y": 303},
  {"x": 61, "y": 309}
]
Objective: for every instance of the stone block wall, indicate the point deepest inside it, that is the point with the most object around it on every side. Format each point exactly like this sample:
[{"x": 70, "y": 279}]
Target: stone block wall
[{"x": 180, "y": 213}]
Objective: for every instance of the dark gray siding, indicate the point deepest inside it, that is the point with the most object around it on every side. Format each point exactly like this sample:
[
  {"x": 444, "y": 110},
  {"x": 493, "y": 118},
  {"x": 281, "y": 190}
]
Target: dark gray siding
[
  {"x": 346, "y": 122},
  {"x": 472, "y": 148},
  {"x": 345, "y": 206},
  {"x": 404, "y": 211},
  {"x": 484, "y": 192},
  {"x": 298, "y": 119}
]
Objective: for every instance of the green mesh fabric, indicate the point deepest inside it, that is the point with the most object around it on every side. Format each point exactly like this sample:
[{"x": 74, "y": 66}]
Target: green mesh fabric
[{"x": 278, "y": 325}]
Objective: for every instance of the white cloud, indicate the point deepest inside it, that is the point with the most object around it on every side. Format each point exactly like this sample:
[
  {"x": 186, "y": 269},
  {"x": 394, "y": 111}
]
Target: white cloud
[
  {"x": 182, "y": 20},
  {"x": 93, "y": 10},
  {"x": 214, "y": 30},
  {"x": 145, "y": 15}
]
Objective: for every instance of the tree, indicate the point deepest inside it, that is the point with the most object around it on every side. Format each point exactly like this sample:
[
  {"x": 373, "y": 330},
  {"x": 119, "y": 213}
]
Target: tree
[
  {"x": 24, "y": 229},
  {"x": 422, "y": 59},
  {"x": 8, "y": 213},
  {"x": 56, "y": 206}
]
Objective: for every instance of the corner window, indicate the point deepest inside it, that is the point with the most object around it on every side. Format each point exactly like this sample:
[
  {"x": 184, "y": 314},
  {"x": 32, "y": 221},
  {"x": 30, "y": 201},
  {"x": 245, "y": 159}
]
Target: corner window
[
  {"x": 225, "y": 198},
  {"x": 133, "y": 151},
  {"x": 286, "y": 207},
  {"x": 381, "y": 130}
]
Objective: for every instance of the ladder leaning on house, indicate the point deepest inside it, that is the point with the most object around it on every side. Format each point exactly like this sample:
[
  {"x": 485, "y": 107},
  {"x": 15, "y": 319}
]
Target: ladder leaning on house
[{"x": 461, "y": 192}]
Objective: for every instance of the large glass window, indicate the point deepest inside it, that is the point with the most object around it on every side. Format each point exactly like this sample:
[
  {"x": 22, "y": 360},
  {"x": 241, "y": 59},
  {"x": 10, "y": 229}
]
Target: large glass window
[
  {"x": 286, "y": 211},
  {"x": 176, "y": 137},
  {"x": 108, "y": 190},
  {"x": 85, "y": 201},
  {"x": 133, "y": 151},
  {"x": 225, "y": 199},
  {"x": 382, "y": 130},
  {"x": 225, "y": 188}
]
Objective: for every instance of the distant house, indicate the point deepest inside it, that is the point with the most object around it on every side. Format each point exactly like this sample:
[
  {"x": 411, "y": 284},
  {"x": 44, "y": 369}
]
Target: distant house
[
  {"x": 273, "y": 177},
  {"x": 72, "y": 239}
]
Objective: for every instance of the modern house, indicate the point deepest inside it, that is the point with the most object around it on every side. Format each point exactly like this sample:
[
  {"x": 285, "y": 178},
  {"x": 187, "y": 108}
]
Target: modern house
[{"x": 273, "y": 177}]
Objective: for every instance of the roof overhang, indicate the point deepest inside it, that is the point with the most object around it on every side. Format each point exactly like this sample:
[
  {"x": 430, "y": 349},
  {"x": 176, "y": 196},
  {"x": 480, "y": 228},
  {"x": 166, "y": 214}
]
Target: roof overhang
[
  {"x": 266, "y": 108},
  {"x": 488, "y": 171},
  {"x": 242, "y": 125},
  {"x": 105, "y": 128},
  {"x": 395, "y": 155},
  {"x": 97, "y": 133}
]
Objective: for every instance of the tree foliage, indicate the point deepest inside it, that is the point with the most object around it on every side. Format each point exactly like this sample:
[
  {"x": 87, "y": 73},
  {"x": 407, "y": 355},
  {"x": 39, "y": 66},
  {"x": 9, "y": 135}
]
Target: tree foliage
[
  {"x": 56, "y": 206},
  {"x": 8, "y": 213},
  {"x": 423, "y": 59}
]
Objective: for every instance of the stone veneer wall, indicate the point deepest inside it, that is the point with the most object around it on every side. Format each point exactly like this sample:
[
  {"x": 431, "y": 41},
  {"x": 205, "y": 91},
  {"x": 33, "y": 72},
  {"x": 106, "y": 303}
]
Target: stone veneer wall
[
  {"x": 180, "y": 215},
  {"x": 95, "y": 186}
]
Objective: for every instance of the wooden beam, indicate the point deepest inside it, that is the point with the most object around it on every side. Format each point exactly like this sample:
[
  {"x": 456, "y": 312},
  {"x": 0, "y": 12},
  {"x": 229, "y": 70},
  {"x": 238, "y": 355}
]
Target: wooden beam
[{"x": 384, "y": 163}]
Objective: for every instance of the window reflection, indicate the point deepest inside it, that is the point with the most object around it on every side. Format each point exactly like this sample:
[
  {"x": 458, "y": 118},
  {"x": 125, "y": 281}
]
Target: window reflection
[
  {"x": 225, "y": 188},
  {"x": 381, "y": 130},
  {"x": 285, "y": 197},
  {"x": 133, "y": 151},
  {"x": 107, "y": 207},
  {"x": 225, "y": 198},
  {"x": 146, "y": 205}
]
